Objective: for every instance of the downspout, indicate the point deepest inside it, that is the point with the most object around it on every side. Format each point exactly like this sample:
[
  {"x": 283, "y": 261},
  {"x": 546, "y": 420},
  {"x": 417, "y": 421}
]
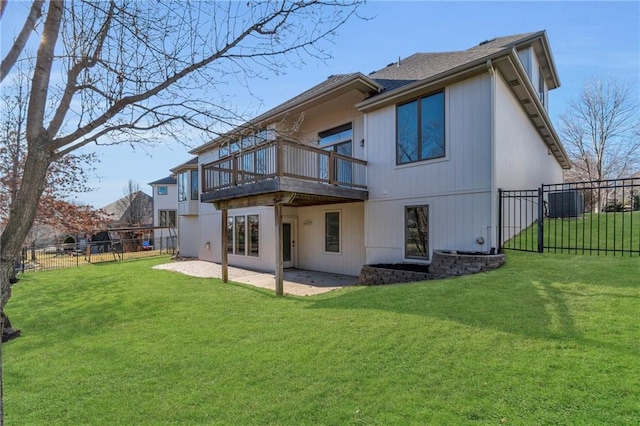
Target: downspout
[{"x": 493, "y": 228}]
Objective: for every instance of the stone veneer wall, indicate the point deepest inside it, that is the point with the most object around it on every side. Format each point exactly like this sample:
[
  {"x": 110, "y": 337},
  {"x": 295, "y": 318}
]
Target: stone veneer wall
[{"x": 443, "y": 265}]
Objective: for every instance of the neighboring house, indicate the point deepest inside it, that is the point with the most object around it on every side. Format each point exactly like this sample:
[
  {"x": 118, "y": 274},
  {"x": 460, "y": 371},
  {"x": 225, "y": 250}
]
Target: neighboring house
[
  {"x": 165, "y": 209},
  {"x": 380, "y": 168},
  {"x": 188, "y": 205},
  {"x": 132, "y": 210}
]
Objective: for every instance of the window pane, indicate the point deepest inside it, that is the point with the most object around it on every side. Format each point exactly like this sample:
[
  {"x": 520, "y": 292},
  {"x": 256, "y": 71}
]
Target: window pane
[
  {"x": 332, "y": 232},
  {"x": 182, "y": 186},
  {"x": 224, "y": 150},
  {"x": 337, "y": 134},
  {"x": 254, "y": 235},
  {"x": 432, "y": 121},
  {"x": 417, "y": 232},
  {"x": 230, "y": 235},
  {"x": 162, "y": 217},
  {"x": 171, "y": 218},
  {"x": 240, "y": 232},
  {"x": 162, "y": 190},
  {"x": 194, "y": 184},
  {"x": 407, "y": 133}
]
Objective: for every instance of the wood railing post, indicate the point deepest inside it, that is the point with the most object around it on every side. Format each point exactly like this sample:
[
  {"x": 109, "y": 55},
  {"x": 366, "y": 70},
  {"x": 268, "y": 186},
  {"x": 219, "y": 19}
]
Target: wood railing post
[
  {"x": 234, "y": 170},
  {"x": 332, "y": 168},
  {"x": 279, "y": 158}
]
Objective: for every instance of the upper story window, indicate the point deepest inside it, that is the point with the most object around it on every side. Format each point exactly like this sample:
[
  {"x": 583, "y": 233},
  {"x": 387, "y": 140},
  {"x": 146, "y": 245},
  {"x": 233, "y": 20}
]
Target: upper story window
[
  {"x": 246, "y": 142},
  {"x": 541, "y": 87},
  {"x": 162, "y": 190},
  {"x": 194, "y": 184},
  {"x": 420, "y": 129},
  {"x": 188, "y": 185},
  {"x": 337, "y": 139},
  {"x": 183, "y": 186}
]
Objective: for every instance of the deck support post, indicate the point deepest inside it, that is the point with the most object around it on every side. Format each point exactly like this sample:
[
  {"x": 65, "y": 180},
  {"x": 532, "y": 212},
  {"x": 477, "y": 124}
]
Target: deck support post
[
  {"x": 224, "y": 258},
  {"x": 277, "y": 211}
]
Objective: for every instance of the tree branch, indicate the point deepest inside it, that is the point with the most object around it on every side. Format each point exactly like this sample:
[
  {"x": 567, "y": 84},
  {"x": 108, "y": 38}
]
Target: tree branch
[{"x": 20, "y": 42}]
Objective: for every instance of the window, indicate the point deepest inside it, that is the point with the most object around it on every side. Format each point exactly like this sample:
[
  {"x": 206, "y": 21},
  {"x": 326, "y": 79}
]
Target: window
[
  {"x": 420, "y": 129},
  {"x": 239, "y": 234},
  {"x": 162, "y": 190},
  {"x": 238, "y": 227},
  {"x": 338, "y": 140},
  {"x": 167, "y": 218},
  {"x": 541, "y": 86},
  {"x": 230, "y": 235},
  {"x": 416, "y": 222},
  {"x": 253, "y": 222},
  {"x": 332, "y": 232},
  {"x": 194, "y": 184},
  {"x": 183, "y": 186}
]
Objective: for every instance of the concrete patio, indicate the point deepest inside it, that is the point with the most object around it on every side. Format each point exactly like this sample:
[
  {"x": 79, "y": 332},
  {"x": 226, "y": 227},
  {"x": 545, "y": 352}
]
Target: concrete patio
[{"x": 298, "y": 282}]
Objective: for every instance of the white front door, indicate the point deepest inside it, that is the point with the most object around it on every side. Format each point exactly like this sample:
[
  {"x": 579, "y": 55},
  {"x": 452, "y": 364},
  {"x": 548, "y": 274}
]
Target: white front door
[{"x": 288, "y": 244}]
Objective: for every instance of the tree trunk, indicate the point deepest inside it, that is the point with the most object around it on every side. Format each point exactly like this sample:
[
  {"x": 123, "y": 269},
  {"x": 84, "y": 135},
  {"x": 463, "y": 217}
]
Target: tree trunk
[
  {"x": 22, "y": 214},
  {"x": 21, "y": 217}
]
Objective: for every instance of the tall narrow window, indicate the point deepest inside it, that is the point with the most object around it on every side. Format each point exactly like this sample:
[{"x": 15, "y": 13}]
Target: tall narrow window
[
  {"x": 541, "y": 86},
  {"x": 194, "y": 184},
  {"x": 332, "y": 232},
  {"x": 240, "y": 235},
  {"x": 416, "y": 232},
  {"x": 253, "y": 221},
  {"x": 183, "y": 186},
  {"x": 420, "y": 129},
  {"x": 230, "y": 235}
]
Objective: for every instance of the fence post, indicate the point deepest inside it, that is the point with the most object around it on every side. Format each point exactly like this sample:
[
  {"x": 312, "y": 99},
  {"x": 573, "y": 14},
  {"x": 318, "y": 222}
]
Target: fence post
[
  {"x": 540, "y": 219},
  {"x": 499, "y": 245}
]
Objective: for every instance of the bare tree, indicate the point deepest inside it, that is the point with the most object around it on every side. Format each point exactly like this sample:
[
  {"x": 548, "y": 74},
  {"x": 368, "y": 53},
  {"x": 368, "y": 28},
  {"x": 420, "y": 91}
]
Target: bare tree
[
  {"x": 133, "y": 71},
  {"x": 600, "y": 132}
]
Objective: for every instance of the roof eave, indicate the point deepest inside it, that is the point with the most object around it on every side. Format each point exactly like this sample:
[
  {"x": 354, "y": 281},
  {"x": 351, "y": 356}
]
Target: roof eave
[
  {"x": 458, "y": 73},
  {"x": 358, "y": 81},
  {"x": 539, "y": 114}
]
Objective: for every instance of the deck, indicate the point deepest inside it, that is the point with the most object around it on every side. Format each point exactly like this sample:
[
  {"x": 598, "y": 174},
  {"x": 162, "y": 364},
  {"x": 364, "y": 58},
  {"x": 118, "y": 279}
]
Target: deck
[{"x": 284, "y": 172}]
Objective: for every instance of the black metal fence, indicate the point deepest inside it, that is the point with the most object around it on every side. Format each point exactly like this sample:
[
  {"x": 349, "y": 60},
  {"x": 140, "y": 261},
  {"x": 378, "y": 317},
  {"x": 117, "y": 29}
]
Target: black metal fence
[
  {"x": 67, "y": 255},
  {"x": 596, "y": 217}
]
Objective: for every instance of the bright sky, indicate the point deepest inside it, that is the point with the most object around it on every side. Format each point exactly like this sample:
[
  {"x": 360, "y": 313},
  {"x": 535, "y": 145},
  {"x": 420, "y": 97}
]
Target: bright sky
[{"x": 587, "y": 39}]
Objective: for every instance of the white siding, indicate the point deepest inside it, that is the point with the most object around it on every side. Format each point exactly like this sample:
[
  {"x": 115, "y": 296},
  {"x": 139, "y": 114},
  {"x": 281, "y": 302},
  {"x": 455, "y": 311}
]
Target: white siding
[
  {"x": 455, "y": 223},
  {"x": 457, "y": 188},
  {"x": 468, "y": 153},
  {"x": 188, "y": 236},
  {"x": 523, "y": 160},
  {"x": 311, "y": 239},
  {"x": 164, "y": 202}
]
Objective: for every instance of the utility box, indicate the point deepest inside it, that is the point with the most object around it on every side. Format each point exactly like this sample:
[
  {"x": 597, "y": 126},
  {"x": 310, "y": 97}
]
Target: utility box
[{"x": 569, "y": 203}]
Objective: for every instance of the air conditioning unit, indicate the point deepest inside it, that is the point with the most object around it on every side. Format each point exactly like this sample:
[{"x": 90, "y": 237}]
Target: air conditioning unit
[{"x": 569, "y": 203}]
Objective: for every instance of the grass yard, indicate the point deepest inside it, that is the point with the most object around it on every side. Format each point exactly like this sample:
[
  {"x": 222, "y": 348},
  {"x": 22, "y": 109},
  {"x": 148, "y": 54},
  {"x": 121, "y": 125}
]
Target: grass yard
[
  {"x": 547, "y": 339},
  {"x": 592, "y": 232}
]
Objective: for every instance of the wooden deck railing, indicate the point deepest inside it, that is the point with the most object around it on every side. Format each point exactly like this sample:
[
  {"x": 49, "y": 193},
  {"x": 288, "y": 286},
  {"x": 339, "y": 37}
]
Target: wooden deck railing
[{"x": 282, "y": 158}]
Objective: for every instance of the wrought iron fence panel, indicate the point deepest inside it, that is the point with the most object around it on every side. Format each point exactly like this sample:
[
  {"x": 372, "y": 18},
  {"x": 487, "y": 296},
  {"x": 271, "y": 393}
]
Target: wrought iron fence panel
[{"x": 591, "y": 217}]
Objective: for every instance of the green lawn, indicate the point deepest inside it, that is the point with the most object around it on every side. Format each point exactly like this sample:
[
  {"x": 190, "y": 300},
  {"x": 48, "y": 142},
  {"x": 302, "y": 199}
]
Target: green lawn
[
  {"x": 591, "y": 232},
  {"x": 547, "y": 339}
]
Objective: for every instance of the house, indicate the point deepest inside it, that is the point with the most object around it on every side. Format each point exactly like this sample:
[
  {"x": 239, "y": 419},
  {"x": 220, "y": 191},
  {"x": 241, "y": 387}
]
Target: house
[
  {"x": 379, "y": 168},
  {"x": 165, "y": 211},
  {"x": 188, "y": 205},
  {"x": 133, "y": 209}
]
